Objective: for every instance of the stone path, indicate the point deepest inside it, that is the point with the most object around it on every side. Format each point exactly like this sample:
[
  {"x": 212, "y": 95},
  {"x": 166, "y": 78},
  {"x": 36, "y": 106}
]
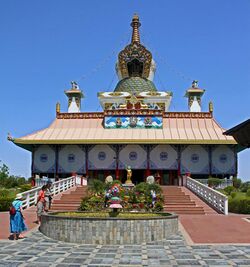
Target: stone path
[
  {"x": 30, "y": 218},
  {"x": 217, "y": 228},
  {"x": 37, "y": 250}
]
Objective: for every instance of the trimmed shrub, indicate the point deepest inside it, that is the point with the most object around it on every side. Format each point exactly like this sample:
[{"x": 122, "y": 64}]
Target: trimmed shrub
[
  {"x": 239, "y": 205},
  {"x": 5, "y": 203},
  {"x": 94, "y": 203},
  {"x": 158, "y": 207},
  {"x": 25, "y": 187},
  {"x": 229, "y": 189},
  {"x": 214, "y": 182},
  {"x": 248, "y": 192},
  {"x": 233, "y": 194},
  {"x": 237, "y": 182},
  {"x": 244, "y": 187},
  {"x": 96, "y": 186},
  {"x": 6, "y": 198}
]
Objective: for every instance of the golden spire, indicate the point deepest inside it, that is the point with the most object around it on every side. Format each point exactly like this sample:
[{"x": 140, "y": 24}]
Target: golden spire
[
  {"x": 57, "y": 107},
  {"x": 135, "y": 24},
  {"x": 211, "y": 107}
]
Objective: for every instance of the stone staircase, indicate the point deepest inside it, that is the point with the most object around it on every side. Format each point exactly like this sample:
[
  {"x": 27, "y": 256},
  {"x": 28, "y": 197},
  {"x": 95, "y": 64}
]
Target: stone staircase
[
  {"x": 181, "y": 200},
  {"x": 70, "y": 200}
]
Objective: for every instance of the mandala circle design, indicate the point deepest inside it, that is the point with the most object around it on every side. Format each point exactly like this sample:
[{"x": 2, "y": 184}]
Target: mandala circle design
[
  {"x": 163, "y": 156},
  {"x": 132, "y": 155},
  {"x": 195, "y": 158},
  {"x": 44, "y": 158},
  {"x": 101, "y": 155},
  {"x": 71, "y": 158},
  {"x": 223, "y": 158}
]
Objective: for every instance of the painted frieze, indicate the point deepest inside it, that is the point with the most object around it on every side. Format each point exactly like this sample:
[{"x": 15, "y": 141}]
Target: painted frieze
[{"x": 112, "y": 122}]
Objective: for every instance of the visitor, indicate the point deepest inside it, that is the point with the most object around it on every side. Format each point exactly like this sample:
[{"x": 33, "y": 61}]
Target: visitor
[
  {"x": 41, "y": 203},
  {"x": 48, "y": 197},
  {"x": 17, "y": 224}
]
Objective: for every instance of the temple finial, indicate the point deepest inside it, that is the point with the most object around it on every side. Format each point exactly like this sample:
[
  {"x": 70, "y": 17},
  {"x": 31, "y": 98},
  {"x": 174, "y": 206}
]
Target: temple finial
[{"x": 135, "y": 24}]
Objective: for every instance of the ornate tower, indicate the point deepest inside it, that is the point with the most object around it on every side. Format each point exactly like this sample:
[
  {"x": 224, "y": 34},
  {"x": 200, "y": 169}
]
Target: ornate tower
[
  {"x": 135, "y": 67},
  {"x": 194, "y": 94},
  {"x": 74, "y": 98}
]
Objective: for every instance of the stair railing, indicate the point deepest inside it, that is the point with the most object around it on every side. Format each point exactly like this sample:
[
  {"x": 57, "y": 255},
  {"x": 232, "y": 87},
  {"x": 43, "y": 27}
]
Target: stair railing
[
  {"x": 29, "y": 197},
  {"x": 215, "y": 199}
]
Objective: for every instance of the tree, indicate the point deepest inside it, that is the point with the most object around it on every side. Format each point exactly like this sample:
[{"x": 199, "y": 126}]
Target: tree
[{"x": 4, "y": 175}]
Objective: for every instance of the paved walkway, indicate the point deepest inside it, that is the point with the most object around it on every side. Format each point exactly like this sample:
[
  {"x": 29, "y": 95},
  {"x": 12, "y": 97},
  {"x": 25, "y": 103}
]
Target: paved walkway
[
  {"x": 201, "y": 229},
  {"x": 30, "y": 218},
  {"x": 37, "y": 250},
  {"x": 217, "y": 228}
]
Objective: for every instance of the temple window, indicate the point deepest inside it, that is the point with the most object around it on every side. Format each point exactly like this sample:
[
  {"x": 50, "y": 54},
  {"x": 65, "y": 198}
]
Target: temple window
[
  {"x": 223, "y": 158},
  {"x": 135, "y": 68},
  {"x": 194, "y": 158},
  {"x": 43, "y": 158},
  {"x": 71, "y": 158}
]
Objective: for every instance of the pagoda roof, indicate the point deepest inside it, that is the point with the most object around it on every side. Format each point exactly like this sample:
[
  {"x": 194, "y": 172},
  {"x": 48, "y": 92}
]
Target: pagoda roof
[
  {"x": 178, "y": 128},
  {"x": 241, "y": 133}
]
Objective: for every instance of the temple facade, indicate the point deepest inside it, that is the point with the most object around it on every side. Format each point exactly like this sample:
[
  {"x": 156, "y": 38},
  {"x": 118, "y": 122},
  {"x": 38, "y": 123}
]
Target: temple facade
[{"x": 134, "y": 129}]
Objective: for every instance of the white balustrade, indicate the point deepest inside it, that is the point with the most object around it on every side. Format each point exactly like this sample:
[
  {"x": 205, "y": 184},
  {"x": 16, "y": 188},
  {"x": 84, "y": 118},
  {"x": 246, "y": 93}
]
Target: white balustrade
[
  {"x": 30, "y": 197},
  {"x": 214, "y": 198},
  {"x": 224, "y": 183}
]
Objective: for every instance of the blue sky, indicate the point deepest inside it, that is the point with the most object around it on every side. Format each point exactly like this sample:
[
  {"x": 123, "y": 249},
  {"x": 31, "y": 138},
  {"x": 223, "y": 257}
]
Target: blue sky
[{"x": 46, "y": 44}]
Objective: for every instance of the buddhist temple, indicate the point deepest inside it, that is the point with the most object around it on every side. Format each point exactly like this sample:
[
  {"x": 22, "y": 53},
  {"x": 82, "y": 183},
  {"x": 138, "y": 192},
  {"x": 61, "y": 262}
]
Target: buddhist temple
[{"x": 134, "y": 129}]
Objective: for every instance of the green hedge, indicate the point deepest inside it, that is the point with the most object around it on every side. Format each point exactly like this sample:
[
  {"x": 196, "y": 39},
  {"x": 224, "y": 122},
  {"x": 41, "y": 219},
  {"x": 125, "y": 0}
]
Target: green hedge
[
  {"x": 5, "y": 203},
  {"x": 239, "y": 205},
  {"x": 214, "y": 181}
]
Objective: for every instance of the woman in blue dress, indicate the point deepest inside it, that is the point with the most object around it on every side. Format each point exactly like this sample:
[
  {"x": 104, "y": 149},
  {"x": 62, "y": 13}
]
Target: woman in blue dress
[{"x": 17, "y": 224}]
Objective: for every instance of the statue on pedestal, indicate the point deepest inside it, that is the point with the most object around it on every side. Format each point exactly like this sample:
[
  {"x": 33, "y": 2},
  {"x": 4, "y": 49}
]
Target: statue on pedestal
[{"x": 129, "y": 175}]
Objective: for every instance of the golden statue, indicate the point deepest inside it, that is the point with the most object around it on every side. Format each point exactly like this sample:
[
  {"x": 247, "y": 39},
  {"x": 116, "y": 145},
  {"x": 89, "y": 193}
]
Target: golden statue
[{"x": 129, "y": 175}]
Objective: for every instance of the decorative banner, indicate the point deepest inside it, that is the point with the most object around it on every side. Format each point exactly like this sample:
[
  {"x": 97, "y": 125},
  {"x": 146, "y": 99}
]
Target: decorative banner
[{"x": 113, "y": 122}]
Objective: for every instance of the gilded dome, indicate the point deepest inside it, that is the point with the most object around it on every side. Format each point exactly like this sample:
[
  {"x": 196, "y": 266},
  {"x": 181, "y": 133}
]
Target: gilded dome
[{"x": 135, "y": 85}]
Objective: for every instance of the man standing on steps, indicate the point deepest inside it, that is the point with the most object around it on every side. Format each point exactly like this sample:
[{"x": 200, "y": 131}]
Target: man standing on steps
[
  {"x": 48, "y": 197},
  {"x": 41, "y": 203}
]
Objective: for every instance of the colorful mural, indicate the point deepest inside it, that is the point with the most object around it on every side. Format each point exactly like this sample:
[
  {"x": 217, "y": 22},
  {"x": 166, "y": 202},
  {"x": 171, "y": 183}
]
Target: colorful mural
[{"x": 112, "y": 122}]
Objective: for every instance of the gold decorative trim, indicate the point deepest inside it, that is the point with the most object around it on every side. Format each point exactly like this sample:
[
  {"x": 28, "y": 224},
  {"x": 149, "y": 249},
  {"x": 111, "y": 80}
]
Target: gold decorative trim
[
  {"x": 131, "y": 52},
  {"x": 80, "y": 115},
  {"x": 196, "y": 115},
  {"x": 133, "y": 112},
  {"x": 127, "y": 141}
]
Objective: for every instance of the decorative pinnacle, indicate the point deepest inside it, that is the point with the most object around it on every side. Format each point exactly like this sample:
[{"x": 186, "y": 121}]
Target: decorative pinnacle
[
  {"x": 135, "y": 24},
  {"x": 58, "y": 107},
  {"x": 211, "y": 107},
  {"x": 195, "y": 84}
]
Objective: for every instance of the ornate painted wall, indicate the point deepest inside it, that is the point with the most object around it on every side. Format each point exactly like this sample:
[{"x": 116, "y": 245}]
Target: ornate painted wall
[
  {"x": 195, "y": 159},
  {"x": 134, "y": 156},
  {"x": 71, "y": 158},
  {"x": 44, "y": 159},
  {"x": 223, "y": 160},
  {"x": 102, "y": 157},
  {"x": 163, "y": 157}
]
